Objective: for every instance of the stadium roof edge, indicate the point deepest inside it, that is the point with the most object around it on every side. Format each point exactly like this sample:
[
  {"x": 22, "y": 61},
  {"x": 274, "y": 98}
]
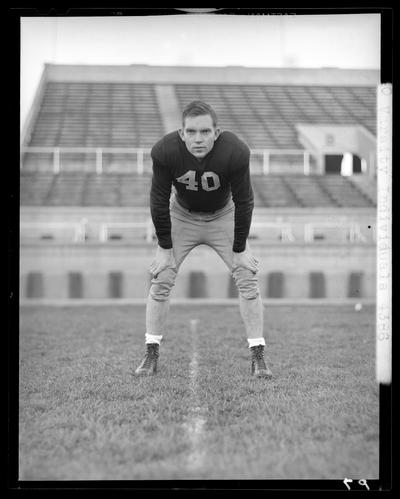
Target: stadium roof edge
[{"x": 142, "y": 73}]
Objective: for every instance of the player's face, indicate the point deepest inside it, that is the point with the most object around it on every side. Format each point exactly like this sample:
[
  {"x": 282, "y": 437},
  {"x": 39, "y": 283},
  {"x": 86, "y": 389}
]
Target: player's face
[{"x": 199, "y": 134}]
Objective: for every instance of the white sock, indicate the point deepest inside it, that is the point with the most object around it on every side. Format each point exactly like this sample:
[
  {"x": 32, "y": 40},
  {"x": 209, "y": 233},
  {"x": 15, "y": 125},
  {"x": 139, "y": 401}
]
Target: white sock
[
  {"x": 153, "y": 338},
  {"x": 253, "y": 342}
]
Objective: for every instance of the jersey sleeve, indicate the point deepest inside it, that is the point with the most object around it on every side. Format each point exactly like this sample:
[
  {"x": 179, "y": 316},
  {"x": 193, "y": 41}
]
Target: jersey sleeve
[
  {"x": 160, "y": 193},
  {"x": 242, "y": 195}
]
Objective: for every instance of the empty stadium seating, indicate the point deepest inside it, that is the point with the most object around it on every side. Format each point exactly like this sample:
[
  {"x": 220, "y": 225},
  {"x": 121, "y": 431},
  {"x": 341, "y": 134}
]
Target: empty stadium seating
[
  {"x": 309, "y": 192},
  {"x": 126, "y": 115},
  {"x": 96, "y": 114},
  {"x": 272, "y": 191},
  {"x": 35, "y": 188},
  {"x": 342, "y": 191},
  {"x": 116, "y": 189},
  {"x": 265, "y": 116},
  {"x": 367, "y": 185}
]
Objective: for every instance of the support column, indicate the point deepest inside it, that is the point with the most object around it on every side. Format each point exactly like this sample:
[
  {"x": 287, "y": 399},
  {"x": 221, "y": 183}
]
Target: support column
[{"x": 169, "y": 107}]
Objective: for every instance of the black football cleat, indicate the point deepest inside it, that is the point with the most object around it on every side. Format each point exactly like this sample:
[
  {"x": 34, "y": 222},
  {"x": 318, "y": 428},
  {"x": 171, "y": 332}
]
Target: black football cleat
[
  {"x": 148, "y": 366},
  {"x": 259, "y": 368}
]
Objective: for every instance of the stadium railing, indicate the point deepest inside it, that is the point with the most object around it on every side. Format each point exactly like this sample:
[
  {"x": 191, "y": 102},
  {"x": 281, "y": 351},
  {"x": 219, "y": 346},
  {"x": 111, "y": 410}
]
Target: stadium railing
[
  {"x": 303, "y": 158},
  {"x": 350, "y": 231},
  {"x": 74, "y": 232},
  {"x": 263, "y": 157},
  {"x": 285, "y": 233},
  {"x": 105, "y": 228},
  {"x": 97, "y": 153}
]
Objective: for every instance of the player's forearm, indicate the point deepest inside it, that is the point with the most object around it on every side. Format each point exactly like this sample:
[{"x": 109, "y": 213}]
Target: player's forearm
[
  {"x": 159, "y": 205},
  {"x": 242, "y": 195},
  {"x": 162, "y": 223},
  {"x": 159, "y": 209},
  {"x": 243, "y": 215}
]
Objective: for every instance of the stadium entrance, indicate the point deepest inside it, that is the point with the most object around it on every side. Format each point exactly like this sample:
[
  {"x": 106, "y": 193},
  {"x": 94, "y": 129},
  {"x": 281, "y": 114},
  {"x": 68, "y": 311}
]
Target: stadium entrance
[
  {"x": 343, "y": 164},
  {"x": 340, "y": 149},
  {"x": 333, "y": 164}
]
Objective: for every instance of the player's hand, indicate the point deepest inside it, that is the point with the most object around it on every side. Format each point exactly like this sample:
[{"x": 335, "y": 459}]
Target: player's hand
[
  {"x": 245, "y": 260},
  {"x": 164, "y": 259}
]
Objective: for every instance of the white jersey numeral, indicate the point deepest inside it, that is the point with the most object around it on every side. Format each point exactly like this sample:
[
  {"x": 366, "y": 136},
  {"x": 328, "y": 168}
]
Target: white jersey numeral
[
  {"x": 189, "y": 178},
  {"x": 209, "y": 181},
  {"x": 205, "y": 183}
]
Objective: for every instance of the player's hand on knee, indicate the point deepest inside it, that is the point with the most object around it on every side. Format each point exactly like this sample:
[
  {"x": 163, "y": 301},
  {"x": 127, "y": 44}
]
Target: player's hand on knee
[
  {"x": 164, "y": 259},
  {"x": 245, "y": 260}
]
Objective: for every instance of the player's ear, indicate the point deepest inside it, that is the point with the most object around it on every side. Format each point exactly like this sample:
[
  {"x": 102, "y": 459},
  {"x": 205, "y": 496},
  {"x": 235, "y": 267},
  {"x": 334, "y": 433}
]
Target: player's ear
[
  {"x": 217, "y": 132},
  {"x": 180, "y": 131}
]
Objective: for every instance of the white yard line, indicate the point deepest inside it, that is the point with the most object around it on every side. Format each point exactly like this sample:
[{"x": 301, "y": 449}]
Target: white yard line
[{"x": 196, "y": 417}]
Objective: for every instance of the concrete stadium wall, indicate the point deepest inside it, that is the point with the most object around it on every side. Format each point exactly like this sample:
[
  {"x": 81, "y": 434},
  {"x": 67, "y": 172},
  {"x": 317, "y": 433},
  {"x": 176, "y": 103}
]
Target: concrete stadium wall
[
  {"x": 365, "y": 217},
  {"x": 126, "y": 214},
  {"x": 94, "y": 261}
]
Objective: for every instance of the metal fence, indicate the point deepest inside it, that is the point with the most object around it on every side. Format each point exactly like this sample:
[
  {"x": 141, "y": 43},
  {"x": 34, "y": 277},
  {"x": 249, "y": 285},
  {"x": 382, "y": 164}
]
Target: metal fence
[{"x": 137, "y": 160}]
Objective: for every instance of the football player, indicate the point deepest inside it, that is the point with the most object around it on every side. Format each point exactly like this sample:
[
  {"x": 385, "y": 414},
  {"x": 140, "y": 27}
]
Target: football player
[{"x": 213, "y": 205}]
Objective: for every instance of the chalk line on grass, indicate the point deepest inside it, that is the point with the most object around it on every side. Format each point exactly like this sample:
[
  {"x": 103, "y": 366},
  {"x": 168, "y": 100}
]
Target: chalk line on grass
[{"x": 196, "y": 419}]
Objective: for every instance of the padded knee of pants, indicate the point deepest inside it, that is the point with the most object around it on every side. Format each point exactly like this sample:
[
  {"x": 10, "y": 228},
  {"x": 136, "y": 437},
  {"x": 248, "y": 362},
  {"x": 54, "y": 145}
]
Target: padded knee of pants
[
  {"x": 161, "y": 285},
  {"x": 247, "y": 283}
]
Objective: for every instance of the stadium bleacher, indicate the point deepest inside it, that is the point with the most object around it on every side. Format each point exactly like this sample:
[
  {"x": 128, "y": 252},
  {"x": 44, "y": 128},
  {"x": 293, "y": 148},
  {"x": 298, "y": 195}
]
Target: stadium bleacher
[
  {"x": 342, "y": 191},
  {"x": 97, "y": 114},
  {"x": 115, "y": 114},
  {"x": 84, "y": 189},
  {"x": 367, "y": 185},
  {"x": 265, "y": 116},
  {"x": 126, "y": 115},
  {"x": 115, "y": 189}
]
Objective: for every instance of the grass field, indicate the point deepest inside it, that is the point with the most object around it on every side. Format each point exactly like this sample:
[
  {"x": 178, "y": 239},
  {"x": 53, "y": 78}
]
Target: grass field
[{"x": 84, "y": 417}]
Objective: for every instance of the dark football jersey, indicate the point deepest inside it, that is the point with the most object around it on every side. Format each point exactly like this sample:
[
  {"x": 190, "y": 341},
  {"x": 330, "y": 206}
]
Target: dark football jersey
[{"x": 206, "y": 185}]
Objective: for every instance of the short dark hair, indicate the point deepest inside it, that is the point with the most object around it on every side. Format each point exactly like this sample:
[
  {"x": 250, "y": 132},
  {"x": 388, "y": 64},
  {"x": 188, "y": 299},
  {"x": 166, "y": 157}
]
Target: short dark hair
[{"x": 199, "y": 108}]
